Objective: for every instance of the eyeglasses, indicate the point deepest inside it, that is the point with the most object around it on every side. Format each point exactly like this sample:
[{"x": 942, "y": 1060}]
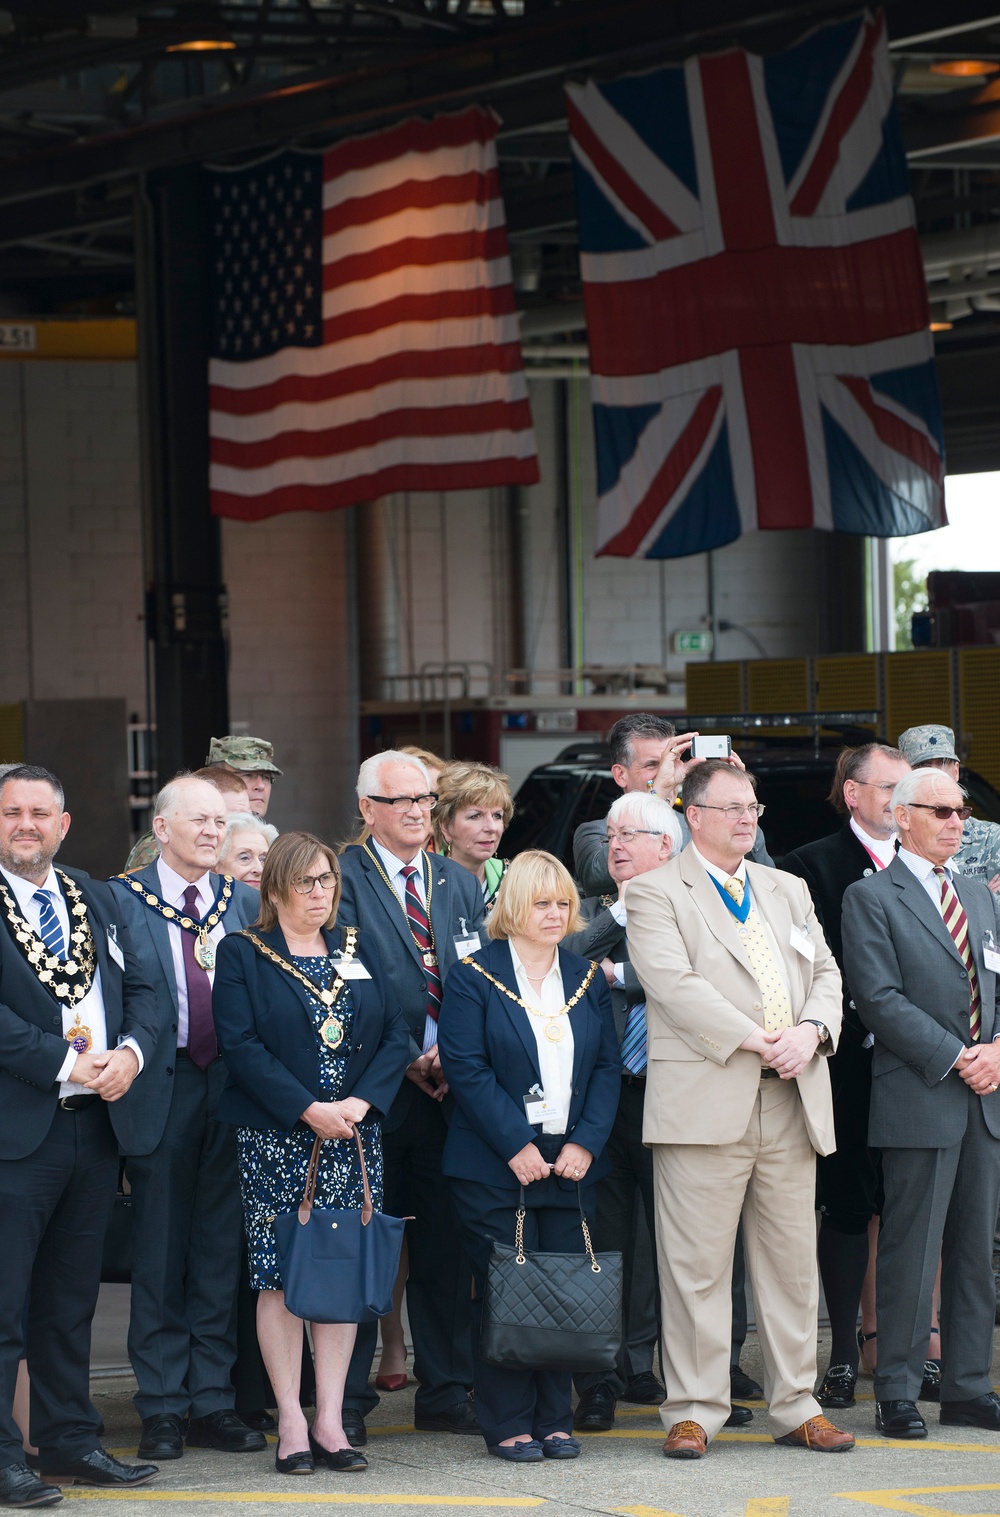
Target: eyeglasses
[
  {"x": 944, "y": 812},
  {"x": 404, "y": 802},
  {"x": 307, "y": 883},
  {"x": 734, "y": 812},
  {"x": 628, "y": 833},
  {"x": 886, "y": 788}
]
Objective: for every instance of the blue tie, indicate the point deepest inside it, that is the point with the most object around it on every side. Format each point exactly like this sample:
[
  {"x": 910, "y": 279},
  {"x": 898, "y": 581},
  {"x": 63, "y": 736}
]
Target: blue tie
[
  {"x": 52, "y": 933},
  {"x": 634, "y": 1041}
]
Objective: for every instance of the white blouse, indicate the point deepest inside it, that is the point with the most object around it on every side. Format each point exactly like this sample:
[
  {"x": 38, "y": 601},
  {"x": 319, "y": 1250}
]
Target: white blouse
[{"x": 555, "y": 1060}]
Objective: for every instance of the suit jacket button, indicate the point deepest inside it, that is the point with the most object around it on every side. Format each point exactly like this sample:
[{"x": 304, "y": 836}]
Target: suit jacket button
[
  {"x": 963, "y": 974},
  {"x": 170, "y": 1069},
  {"x": 852, "y": 1005},
  {"x": 173, "y": 1027},
  {"x": 757, "y": 1006},
  {"x": 57, "y": 1021}
]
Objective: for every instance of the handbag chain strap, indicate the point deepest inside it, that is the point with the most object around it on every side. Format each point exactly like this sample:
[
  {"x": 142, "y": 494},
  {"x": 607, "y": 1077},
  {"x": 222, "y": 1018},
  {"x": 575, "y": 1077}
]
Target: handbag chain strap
[
  {"x": 306, "y": 1204},
  {"x": 520, "y": 1256}
]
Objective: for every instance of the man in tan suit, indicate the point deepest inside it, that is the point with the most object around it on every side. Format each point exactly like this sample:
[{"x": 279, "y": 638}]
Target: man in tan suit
[{"x": 742, "y": 993}]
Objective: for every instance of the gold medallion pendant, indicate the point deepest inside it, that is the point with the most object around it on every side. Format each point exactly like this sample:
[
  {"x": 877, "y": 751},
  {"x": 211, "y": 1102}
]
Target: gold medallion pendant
[
  {"x": 554, "y": 1031},
  {"x": 430, "y": 959},
  {"x": 332, "y": 1032},
  {"x": 204, "y": 951},
  {"x": 80, "y": 1037}
]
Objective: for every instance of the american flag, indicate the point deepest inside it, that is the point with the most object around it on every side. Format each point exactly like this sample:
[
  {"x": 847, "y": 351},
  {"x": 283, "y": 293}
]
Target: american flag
[
  {"x": 365, "y": 334},
  {"x": 757, "y": 312}
]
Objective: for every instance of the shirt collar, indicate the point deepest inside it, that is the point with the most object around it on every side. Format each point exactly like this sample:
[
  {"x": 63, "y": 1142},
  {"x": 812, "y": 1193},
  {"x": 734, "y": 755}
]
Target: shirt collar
[
  {"x": 391, "y": 863},
  {"x": 519, "y": 970},
  {"x": 173, "y": 885},
  {"x": 882, "y": 848},
  {"x": 720, "y": 874},
  {"x": 921, "y": 867},
  {"x": 24, "y": 889}
]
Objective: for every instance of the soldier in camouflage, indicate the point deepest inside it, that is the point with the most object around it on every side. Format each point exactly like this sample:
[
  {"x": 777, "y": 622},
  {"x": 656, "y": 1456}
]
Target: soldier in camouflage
[
  {"x": 251, "y": 757},
  {"x": 933, "y": 747}
]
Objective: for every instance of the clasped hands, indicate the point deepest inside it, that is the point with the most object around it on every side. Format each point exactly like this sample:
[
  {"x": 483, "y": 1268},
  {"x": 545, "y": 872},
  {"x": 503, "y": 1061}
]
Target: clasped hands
[
  {"x": 787, "y": 1051},
  {"x": 979, "y": 1067},
  {"x": 335, "y": 1119},
  {"x": 572, "y": 1163},
  {"x": 427, "y": 1075},
  {"x": 108, "y": 1075}
]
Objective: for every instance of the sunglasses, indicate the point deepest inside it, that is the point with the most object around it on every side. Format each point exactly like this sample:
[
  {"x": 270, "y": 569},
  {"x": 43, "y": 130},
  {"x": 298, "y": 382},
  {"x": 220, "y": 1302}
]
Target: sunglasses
[{"x": 944, "y": 812}]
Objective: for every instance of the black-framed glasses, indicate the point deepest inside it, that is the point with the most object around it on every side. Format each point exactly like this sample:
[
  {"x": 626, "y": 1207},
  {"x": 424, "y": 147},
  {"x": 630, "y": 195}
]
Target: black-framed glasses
[
  {"x": 306, "y": 883},
  {"x": 404, "y": 802},
  {"x": 944, "y": 812},
  {"x": 628, "y": 833},
  {"x": 734, "y": 812}
]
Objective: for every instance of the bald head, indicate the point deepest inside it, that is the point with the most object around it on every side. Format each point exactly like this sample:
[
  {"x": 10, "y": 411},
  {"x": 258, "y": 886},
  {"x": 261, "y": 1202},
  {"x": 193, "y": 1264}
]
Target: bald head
[{"x": 189, "y": 821}]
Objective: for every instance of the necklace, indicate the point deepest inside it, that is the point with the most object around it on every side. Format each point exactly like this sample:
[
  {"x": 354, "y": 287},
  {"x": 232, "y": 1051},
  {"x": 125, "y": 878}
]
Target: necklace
[
  {"x": 204, "y": 948},
  {"x": 332, "y": 1031},
  {"x": 427, "y": 955},
  {"x": 77, "y": 971},
  {"x": 553, "y": 1029}
]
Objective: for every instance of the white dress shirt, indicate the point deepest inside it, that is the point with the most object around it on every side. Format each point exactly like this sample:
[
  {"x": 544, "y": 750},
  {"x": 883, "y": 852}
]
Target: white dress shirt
[
  {"x": 555, "y": 1060},
  {"x": 394, "y": 869},
  {"x": 90, "y": 1009},
  {"x": 924, "y": 871},
  {"x": 884, "y": 849},
  {"x": 172, "y": 888}
]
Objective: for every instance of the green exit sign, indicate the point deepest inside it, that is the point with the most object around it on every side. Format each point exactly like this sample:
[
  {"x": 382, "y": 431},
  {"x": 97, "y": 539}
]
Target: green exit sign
[{"x": 692, "y": 642}]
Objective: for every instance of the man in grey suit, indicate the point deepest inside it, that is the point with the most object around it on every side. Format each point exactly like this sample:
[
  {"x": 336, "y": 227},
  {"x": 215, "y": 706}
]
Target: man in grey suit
[
  {"x": 418, "y": 913},
  {"x": 181, "y": 1163},
  {"x": 921, "y": 948},
  {"x": 646, "y": 758}
]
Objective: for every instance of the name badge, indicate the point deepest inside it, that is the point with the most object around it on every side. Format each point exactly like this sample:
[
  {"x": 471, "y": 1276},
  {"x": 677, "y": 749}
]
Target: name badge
[
  {"x": 353, "y": 971},
  {"x": 467, "y": 945},
  {"x": 115, "y": 951},
  {"x": 991, "y": 953},
  {"x": 538, "y": 1110},
  {"x": 803, "y": 943}
]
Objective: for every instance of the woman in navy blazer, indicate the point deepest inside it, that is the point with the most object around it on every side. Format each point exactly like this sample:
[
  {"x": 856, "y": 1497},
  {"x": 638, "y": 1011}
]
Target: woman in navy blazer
[
  {"x": 528, "y": 1047},
  {"x": 299, "y": 1067}
]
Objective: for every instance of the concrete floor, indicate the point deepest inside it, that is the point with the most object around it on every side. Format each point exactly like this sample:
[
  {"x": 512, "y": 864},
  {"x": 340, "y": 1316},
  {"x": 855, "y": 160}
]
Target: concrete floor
[{"x": 955, "y": 1473}]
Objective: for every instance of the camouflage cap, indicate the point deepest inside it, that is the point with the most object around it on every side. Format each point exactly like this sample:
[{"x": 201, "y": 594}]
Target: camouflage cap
[
  {"x": 251, "y": 754},
  {"x": 918, "y": 744}
]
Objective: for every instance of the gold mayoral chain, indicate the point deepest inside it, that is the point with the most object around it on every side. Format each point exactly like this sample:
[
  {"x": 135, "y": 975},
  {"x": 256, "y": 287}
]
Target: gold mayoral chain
[
  {"x": 553, "y": 1029},
  {"x": 428, "y": 955},
  {"x": 204, "y": 948},
  {"x": 332, "y": 1030},
  {"x": 78, "y": 969}
]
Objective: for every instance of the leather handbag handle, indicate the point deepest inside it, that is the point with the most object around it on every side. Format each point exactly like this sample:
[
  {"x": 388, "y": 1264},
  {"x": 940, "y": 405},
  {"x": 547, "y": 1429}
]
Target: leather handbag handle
[
  {"x": 519, "y": 1229},
  {"x": 306, "y": 1204}
]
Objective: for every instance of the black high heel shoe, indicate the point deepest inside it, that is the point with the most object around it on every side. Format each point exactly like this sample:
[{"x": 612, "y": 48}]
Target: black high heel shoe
[
  {"x": 300, "y": 1463},
  {"x": 348, "y": 1461}
]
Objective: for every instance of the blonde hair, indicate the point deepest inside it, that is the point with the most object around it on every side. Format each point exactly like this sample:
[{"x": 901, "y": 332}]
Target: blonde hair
[
  {"x": 461, "y": 784},
  {"x": 528, "y": 877},
  {"x": 287, "y": 860}
]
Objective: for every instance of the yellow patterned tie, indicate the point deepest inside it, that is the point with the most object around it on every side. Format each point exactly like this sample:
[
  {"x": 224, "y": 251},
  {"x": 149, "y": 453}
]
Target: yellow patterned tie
[{"x": 773, "y": 991}]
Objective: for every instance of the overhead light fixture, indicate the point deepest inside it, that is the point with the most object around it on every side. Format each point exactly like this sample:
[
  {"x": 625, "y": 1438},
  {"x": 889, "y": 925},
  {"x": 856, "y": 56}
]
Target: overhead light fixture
[
  {"x": 942, "y": 326},
  {"x": 966, "y": 68}
]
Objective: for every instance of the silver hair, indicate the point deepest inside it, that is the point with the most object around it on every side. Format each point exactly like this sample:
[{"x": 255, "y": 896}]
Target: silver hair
[
  {"x": 909, "y": 788},
  {"x": 169, "y": 798},
  {"x": 370, "y": 773},
  {"x": 650, "y": 811},
  {"x": 245, "y": 821}
]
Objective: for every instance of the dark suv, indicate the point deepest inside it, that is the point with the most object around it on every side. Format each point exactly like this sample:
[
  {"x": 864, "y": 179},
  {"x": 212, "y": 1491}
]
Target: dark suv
[{"x": 792, "y": 781}]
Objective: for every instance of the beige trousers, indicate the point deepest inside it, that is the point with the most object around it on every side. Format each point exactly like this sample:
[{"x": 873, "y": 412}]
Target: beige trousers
[{"x": 770, "y": 1177}]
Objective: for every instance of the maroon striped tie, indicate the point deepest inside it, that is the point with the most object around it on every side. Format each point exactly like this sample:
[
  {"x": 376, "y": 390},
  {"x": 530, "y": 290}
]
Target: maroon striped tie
[
  {"x": 957, "y": 924},
  {"x": 421, "y": 930}
]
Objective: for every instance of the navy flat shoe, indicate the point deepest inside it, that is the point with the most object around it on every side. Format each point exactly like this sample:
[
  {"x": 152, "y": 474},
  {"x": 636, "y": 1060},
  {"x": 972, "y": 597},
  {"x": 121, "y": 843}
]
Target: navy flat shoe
[
  {"x": 561, "y": 1448},
  {"x": 518, "y": 1453}
]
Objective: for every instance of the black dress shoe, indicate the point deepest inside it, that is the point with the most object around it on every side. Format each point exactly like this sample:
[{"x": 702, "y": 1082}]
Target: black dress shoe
[
  {"x": 301, "y": 1463},
  {"x": 739, "y": 1416},
  {"x": 981, "y": 1411},
  {"x": 347, "y": 1461},
  {"x": 900, "y": 1419},
  {"x": 644, "y": 1390},
  {"x": 595, "y": 1410},
  {"x": 225, "y": 1431},
  {"x": 837, "y": 1388},
  {"x": 460, "y": 1418},
  {"x": 261, "y": 1420},
  {"x": 354, "y": 1426},
  {"x": 930, "y": 1386},
  {"x": 20, "y": 1486},
  {"x": 162, "y": 1438},
  {"x": 742, "y": 1388},
  {"x": 98, "y": 1468}
]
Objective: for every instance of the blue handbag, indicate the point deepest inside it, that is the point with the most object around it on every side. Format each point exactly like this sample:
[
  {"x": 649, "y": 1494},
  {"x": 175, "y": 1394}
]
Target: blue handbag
[{"x": 338, "y": 1265}]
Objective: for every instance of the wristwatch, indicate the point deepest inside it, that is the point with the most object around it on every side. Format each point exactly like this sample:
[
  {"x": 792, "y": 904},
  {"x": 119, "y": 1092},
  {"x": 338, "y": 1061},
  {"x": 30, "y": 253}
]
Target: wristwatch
[{"x": 824, "y": 1035}]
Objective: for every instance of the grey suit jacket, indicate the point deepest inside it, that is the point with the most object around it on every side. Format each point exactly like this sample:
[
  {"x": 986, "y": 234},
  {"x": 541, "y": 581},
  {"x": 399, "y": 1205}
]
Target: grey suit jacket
[
  {"x": 604, "y": 938},
  {"x": 369, "y": 903},
  {"x": 912, "y": 991},
  {"x": 150, "y": 1097},
  {"x": 590, "y": 856}
]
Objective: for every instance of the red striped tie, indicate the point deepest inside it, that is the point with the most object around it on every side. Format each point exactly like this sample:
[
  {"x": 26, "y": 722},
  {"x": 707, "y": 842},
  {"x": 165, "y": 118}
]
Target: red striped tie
[
  {"x": 957, "y": 924},
  {"x": 421, "y": 930}
]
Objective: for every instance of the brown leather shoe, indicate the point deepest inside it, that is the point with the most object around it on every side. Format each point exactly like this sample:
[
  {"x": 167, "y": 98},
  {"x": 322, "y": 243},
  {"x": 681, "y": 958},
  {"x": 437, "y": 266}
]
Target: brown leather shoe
[
  {"x": 686, "y": 1440},
  {"x": 820, "y": 1436}
]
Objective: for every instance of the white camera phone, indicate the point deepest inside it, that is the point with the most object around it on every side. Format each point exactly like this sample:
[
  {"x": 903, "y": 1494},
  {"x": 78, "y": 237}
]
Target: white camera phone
[{"x": 711, "y": 746}]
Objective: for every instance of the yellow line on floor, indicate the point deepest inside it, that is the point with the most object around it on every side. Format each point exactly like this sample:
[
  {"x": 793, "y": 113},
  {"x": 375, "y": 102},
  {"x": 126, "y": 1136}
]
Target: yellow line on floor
[
  {"x": 767, "y": 1506},
  {"x": 896, "y": 1501},
  {"x": 303, "y": 1498},
  {"x": 912, "y": 1445}
]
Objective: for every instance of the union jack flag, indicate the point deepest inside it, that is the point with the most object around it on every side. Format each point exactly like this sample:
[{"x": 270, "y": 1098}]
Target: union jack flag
[{"x": 759, "y": 334}]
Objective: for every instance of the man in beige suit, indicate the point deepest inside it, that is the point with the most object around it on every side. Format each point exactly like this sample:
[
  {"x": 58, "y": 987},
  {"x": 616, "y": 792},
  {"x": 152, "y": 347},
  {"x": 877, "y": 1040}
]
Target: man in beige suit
[{"x": 742, "y": 994}]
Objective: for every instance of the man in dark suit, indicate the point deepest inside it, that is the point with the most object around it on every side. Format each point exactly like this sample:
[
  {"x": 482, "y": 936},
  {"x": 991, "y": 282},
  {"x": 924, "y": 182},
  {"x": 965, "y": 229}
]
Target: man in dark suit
[
  {"x": 77, "y": 1025},
  {"x": 847, "y": 1180},
  {"x": 180, "y": 1161},
  {"x": 921, "y": 954},
  {"x": 414, "y": 909}
]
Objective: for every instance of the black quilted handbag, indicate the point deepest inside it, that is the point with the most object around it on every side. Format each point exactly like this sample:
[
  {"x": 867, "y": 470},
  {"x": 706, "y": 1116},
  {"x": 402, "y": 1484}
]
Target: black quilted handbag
[{"x": 552, "y": 1311}]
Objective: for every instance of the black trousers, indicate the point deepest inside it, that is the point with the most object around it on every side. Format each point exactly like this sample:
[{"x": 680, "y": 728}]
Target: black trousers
[
  {"x": 188, "y": 1222},
  {"x": 55, "y": 1206},
  {"x": 512, "y": 1401},
  {"x": 439, "y": 1283}
]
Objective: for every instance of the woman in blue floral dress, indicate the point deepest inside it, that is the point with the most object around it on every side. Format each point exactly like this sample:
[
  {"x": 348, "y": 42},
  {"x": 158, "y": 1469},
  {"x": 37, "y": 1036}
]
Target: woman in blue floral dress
[{"x": 314, "y": 1044}]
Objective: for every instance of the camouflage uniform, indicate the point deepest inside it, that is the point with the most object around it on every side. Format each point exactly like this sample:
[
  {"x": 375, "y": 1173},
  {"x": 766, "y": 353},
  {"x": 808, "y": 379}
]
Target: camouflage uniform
[
  {"x": 979, "y": 854},
  {"x": 252, "y": 755}
]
